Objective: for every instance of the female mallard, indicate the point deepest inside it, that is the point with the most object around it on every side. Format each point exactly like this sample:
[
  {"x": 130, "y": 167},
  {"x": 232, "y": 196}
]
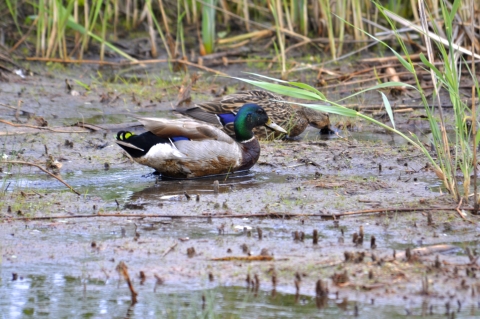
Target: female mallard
[
  {"x": 222, "y": 113},
  {"x": 189, "y": 149}
]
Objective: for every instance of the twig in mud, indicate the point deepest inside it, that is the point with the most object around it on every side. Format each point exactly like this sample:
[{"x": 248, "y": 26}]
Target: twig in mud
[
  {"x": 43, "y": 170},
  {"x": 244, "y": 258},
  {"x": 16, "y": 133},
  {"x": 6, "y": 188},
  {"x": 198, "y": 66},
  {"x": 424, "y": 251},
  {"x": 296, "y": 165},
  {"x": 123, "y": 271},
  {"x": 57, "y": 60},
  {"x": 158, "y": 282},
  {"x": 329, "y": 264},
  {"x": 341, "y": 137},
  {"x": 141, "y": 216},
  {"x": 413, "y": 57},
  {"x": 260, "y": 215},
  {"x": 169, "y": 249},
  {"x": 457, "y": 209},
  {"x": 239, "y": 61},
  {"x": 17, "y": 112},
  {"x": 9, "y": 106},
  {"x": 39, "y": 127},
  {"x": 399, "y": 108},
  {"x": 195, "y": 65},
  {"x": 393, "y": 210}
]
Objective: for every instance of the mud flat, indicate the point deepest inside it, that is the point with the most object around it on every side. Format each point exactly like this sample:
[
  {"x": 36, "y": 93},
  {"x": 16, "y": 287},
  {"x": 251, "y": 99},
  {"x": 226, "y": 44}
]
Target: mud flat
[{"x": 390, "y": 242}]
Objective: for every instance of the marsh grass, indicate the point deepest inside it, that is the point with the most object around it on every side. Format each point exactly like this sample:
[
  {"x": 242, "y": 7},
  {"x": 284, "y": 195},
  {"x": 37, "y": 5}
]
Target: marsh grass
[
  {"x": 208, "y": 26},
  {"x": 276, "y": 8},
  {"x": 451, "y": 154},
  {"x": 68, "y": 29}
]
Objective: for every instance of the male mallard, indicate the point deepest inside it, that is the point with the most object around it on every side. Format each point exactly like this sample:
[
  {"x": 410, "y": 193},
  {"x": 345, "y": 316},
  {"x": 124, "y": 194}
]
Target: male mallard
[
  {"x": 189, "y": 149},
  {"x": 222, "y": 113}
]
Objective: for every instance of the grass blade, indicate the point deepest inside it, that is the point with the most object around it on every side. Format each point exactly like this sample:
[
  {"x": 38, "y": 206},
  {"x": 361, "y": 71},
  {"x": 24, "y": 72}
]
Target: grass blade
[
  {"x": 388, "y": 107},
  {"x": 283, "y": 90}
]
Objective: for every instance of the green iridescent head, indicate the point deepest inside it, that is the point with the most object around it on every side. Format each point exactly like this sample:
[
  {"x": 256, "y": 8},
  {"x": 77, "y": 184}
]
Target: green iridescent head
[{"x": 250, "y": 116}]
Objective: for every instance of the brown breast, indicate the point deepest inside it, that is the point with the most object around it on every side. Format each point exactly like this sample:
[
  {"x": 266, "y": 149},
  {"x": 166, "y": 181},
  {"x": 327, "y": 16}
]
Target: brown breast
[{"x": 251, "y": 153}]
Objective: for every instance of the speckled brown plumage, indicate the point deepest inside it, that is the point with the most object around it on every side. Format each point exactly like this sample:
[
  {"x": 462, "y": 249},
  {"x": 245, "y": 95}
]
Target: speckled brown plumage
[{"x": 294, "y": 119}]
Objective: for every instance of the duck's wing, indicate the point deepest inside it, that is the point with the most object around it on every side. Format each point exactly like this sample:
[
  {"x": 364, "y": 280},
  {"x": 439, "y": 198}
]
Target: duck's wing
[
  {"x": 232, "y": 102},
  {"x": 229, "y": 128},
  {"x": 187, "y": 128},
  {"x": 223, "y": 121},
  {"x": 200, "y": 114}
]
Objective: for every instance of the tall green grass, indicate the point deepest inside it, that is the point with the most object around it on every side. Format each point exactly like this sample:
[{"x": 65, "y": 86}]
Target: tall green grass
[
  {"x": 299, "y": 14},
  {"x": 208, "y": 26},
  {"x": 276, "y": 8}
]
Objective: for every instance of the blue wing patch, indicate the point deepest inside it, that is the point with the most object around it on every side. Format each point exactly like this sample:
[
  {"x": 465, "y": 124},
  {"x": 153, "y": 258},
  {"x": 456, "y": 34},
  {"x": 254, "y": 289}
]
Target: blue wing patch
[
  {"x": 179, "y": 138},
  {"x": 226, "y": 118}
]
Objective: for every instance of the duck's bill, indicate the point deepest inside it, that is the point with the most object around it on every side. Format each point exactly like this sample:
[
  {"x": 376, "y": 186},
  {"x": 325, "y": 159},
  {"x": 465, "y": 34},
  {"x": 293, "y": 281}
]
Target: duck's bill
[{"x": 275, "y": 127}]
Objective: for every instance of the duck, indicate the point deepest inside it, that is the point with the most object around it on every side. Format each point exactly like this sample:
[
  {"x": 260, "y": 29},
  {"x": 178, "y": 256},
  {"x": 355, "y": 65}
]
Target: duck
[
  {"x": 185, "y": 149},
  {"x": 222, "y": 112}
]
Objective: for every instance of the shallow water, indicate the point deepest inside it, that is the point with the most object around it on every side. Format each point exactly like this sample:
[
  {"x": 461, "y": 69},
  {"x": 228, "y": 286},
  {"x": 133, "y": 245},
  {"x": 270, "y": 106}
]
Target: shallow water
[
  {"x": 140, "y": 182},
  {"x": 50, "y": 294},
  {"x": 64, "y": 288},
  {"x": 56, "y": 296}
]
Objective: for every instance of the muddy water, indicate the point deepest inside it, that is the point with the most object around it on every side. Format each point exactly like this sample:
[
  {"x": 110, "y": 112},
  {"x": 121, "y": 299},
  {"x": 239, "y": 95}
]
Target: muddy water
[
  {"x": 60, "y": 272},
  {"x": 58, "y": 296}
]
